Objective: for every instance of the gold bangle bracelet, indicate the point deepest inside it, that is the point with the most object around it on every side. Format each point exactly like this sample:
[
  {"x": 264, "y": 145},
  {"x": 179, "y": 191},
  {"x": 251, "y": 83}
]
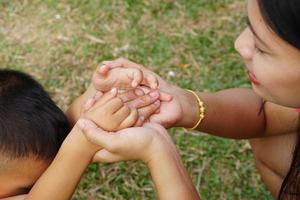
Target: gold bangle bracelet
[{"x": 201, "y": 110}]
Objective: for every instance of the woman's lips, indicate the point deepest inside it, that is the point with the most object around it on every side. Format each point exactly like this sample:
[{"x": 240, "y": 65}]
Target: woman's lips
[{"x": 252, "y": 78}]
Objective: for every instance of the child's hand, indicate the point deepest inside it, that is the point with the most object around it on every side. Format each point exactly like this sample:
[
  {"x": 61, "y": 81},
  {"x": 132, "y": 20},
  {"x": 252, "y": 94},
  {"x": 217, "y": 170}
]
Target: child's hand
[
  {"x": 105, "y": 78},
  {"x": 144, "y": 100},
  {"x": 138, "y": 143},
  {"x": 110, "y": 112}
]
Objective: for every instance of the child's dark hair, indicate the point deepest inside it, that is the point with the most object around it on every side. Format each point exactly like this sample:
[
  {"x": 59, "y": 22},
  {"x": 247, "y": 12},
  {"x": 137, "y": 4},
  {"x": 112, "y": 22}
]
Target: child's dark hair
[
  {"x": 283, "y": 17},
  {"x": 30, "y": 122}
]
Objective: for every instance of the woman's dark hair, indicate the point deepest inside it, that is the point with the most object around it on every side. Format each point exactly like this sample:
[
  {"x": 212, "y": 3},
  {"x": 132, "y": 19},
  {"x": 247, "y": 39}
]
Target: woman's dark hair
[
  {"x": 283, "y": 17},
  {"x": 30, "y": 122}
]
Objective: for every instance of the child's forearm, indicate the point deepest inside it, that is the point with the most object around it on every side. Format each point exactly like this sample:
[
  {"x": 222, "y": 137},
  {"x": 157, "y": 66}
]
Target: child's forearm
[
  {"x": 61, "y": 178},
  {"x": 170, "y": 177},
  {"x": 19, "y": 197},
  {"x": 74, "y": 110}
]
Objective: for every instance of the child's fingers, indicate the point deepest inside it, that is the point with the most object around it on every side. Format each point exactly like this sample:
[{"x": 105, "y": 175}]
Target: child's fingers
[
  {"x": 104, "y": 156},
  {"x": 113, "y": 105},
  {"x": 165, "y": 96},
  {"x": 140, "y": 121},
  {"x": 147, "y": 111},
  {"x": 131, "y": 94},
  {"x": 144, "y": 100},
  {"x": 136, "y": 75},
  {"x": 107, "y": 97},
  {"x": 102, "y": 69},
  {"x": 130, "y": 120},
  {"x": 150, "y": 80},
  {"x": 121, "y": 114}
]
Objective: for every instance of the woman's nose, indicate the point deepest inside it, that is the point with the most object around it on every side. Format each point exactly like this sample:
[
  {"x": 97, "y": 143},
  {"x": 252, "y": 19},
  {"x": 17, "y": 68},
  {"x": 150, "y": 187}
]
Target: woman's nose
[{"x": 244, "y": 44}]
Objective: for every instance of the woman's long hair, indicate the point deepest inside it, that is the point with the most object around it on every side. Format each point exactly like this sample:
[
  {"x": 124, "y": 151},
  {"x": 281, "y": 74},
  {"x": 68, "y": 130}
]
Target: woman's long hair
[{"x": 283, "y": 17}]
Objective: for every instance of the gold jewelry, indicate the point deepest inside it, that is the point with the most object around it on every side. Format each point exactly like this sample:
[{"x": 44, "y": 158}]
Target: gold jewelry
[{"x": 201, "y": 109}]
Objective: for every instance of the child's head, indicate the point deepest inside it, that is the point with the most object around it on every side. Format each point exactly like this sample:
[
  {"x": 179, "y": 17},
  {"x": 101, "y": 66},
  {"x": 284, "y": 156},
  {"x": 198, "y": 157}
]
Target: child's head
[
  {"x": 270, "y": 47},
  {"x": 32, "y": 128}
]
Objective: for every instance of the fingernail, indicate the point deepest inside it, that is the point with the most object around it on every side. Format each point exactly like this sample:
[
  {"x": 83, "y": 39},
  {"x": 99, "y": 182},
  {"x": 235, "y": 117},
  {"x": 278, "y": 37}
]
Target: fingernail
[
  {"x": 154, "y": 94},
  {"x": 134, "y": 84},
  {"x": 142, "y": 118},
  {"x": 101, "y": 66},
  {"x": 157, "y": 103},
  {"x": 81, "y": 123},
  {"x": 98, "y": 95},
  {"x": 153, "y": 86},
  {"x": 108, "y": 63},
  {"x": 113, "y": 90},
  {"x": 139, "y": 92}
]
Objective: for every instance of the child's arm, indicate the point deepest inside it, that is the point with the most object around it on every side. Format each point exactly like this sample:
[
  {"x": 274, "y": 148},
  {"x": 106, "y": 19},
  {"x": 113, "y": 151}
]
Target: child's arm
[
  {"x": 152, "y": 145},
  {"x": 60, "y": 179},
  {"x": 19, "y": 197}
]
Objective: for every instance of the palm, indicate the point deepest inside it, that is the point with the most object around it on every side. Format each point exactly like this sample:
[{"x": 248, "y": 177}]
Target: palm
[{"x": 170, "y": 113}]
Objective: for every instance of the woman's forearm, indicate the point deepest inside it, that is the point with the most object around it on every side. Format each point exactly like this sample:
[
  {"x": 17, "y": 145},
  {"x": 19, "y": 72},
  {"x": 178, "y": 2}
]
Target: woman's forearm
[
  {"x": 232, "y": 113},
  {"x": 170, "y": 177}
]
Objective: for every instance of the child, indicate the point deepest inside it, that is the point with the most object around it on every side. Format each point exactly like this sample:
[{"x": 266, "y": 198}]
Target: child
[
  {"x": 266, "y": 114},
  {"x": 32, "y": 130},
  {"x": 33, "y": 127}
]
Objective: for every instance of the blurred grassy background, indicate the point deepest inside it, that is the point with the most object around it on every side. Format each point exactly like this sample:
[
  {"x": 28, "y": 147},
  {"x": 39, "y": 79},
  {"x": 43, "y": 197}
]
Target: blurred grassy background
[{"x": 188, "y": 42}]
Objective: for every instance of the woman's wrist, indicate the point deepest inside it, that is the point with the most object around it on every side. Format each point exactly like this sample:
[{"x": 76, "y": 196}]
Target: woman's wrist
[
  {"x": 169, "y": 174},
  {"x": 162, "y": 155},
  {"x": 189, "y": 107}
]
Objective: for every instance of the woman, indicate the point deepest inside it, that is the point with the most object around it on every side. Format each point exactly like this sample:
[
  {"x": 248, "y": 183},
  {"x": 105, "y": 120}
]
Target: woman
[{"x": 265, "y": 114}]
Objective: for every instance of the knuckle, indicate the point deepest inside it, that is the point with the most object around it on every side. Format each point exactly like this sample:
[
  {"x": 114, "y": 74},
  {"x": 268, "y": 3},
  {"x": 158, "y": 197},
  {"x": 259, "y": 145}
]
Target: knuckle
[
  {"x": 112, "y": 146},
  {"x": 113, "y": 126},
  {"x": 127, "y": 110},
  {"x": 91, "y": 136},
  {"x": 145, "y": 99},
  {"x": 133, "y": 118}
]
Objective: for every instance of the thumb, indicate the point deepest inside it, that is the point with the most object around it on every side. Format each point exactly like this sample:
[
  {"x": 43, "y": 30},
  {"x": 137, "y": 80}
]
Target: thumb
[
  {"x": 104, "y": 156},
  {"x": 158, "y": 119},
  {"x": 95, "y": 134},
  {"x": 136, "y": 75},
  {"x": 155, "y": 126}
]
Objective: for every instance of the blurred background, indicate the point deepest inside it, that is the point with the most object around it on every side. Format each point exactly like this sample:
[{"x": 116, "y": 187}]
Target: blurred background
[{"x": 187, "y": 42}]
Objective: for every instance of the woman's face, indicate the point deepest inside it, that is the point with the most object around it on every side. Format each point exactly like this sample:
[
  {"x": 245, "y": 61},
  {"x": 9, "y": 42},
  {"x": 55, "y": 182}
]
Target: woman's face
[{"x": 272, "y": 64}]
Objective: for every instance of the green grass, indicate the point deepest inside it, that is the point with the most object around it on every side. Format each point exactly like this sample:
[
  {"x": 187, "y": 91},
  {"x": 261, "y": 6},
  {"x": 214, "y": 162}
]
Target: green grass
[{"x": 61, "y": 42}]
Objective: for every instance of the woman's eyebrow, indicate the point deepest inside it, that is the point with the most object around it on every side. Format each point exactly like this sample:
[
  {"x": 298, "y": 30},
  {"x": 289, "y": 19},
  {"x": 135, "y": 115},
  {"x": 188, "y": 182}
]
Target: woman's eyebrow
[{"x": 255, "y": 33}]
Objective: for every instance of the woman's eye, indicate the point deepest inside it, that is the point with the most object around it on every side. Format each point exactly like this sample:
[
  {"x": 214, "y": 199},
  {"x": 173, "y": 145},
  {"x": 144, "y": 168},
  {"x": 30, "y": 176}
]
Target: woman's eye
[{"x": 259, "y": 50}]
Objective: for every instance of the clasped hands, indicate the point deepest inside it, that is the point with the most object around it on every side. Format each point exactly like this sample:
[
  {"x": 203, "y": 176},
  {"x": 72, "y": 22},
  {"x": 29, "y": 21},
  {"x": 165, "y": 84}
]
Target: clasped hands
[{"x": 127, "y": 115}]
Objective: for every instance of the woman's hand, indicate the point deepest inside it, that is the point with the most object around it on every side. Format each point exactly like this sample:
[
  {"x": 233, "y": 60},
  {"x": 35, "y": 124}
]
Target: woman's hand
[
  {"x": 150, "y": 144},
  {"x": 181, "y": 111},
  {"x": 138, "y": 143}
]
